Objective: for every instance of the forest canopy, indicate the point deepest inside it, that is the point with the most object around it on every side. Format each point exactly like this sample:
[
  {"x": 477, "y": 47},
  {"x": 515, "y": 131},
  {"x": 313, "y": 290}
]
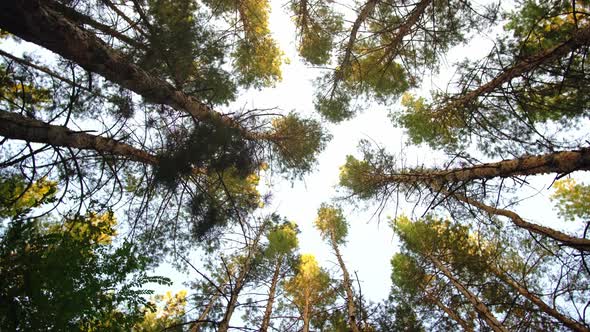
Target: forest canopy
[{"x": 147, "y": 141}]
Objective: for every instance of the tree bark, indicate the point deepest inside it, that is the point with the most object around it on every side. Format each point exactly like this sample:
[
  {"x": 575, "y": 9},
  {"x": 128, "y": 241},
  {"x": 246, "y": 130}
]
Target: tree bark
[
  {"x": 196, "y": 327},
  {"x": 579, "y": 38},
  {"x": 240, "y": 282},
  {"x": 33, "y": 21},
  {"x": 271, "y": 295},
  {"x": 361, "y": 18},
  {"x": 562, "y": 238},
  {"x": 557, "y": 162},
  {"x": 306, "y": 313},
  {"x": 347, "y": 286},
  {"x": 15, "y": 126},
  {"x": 479, "y": 306},
  {"x": 565, "y": 320},
  {"x": 405, "y": 28},
  {"x": 454, "y": 316}
]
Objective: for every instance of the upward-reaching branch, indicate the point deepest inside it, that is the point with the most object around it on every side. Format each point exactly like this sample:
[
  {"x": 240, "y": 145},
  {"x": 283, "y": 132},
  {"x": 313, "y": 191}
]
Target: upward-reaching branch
[
  {"x": 361, "y": 18},
  {"x": 406, "y": 27},
  {"x": 479, "y": 306},
  {"x": 562, "y": 238},
  {"x": 565, "y": 320},
  {"x": 579, "y": 38}
]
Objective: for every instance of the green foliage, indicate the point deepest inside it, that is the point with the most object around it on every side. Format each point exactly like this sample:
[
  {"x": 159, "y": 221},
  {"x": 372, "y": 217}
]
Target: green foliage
[
  {"x": 297, "y": 142},
  {"x": 64, "y": 276},
  {"x": 310, "y": 286},
  {"x": 542, "y": 25},
  {"x": 355, "y": 175},
  {"x": 224, "y": 197},
  {"x": 317, "y": 24},
  {"x": 572, "y": 199},
  {"x": 282, "y": 240},
  {"x": 258, "y": 64},
  {"x": 406, "y": 274},
  {"x": 331, "y": 223},
  {"x": 258, "y": 59},
  {"x": 335, "y": 105},
  {"x": 431, "y": 235},
  {"x": 377, "y": 75},
  {"x": 422, "y": 127},
  {"x": 18, "y": 197},
  {"x": 513, "y": 118},
  {"x": 169, "y": 314},
  {"x": 58, "y": 281},
  {"x": 186, "y": 153},
  {"x": 194, "y": 60}
]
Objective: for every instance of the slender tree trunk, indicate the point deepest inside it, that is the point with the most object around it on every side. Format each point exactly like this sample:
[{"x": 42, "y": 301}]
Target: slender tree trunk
[
  {"x": 450, "y": 312},
  {"x": 240, "y": 281},
  {"x": 579, "y": 38},
  {"x": 361, "y": 18},
  {"x": 562, "y": 238},
  {"x": 557, "y": 162},
  {"x": 196, "y": 327},
  {"x": 15, "y": 126},
  {"x": 565, "y": 320},
  {"x": 479, "y": 306},
  {"x": 231, "y": 306},
  {"x": 271, "y": 295},
  {"x": 347, "y": 287},
  {"x": 33, "y": 21},
  {"x": 306, "y": 314},
  {"x": 405, "y": 28}
]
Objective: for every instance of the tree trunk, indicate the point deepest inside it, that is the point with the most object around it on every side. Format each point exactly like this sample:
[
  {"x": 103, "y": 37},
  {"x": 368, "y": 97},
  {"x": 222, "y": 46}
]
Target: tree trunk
[
  {"x": 15, "y": 126},
  {"x": 240, "y": 282},
  {"x": 568, "y": 322},
  {"x": 271, "y": 295},
  {"x": 347, "y": 287},
  {"x": 479, "y": 306},
  {"x": 306, "y": 314},
  {"x": 196, "y": 327},
  {"x": 434, "y": 299},
  {"x": 562, "y": 238},
  {"x": 557, "y": 162},
  {"x": 231, "y": 306},
  {"x": 579, "y": 38},
  {"x": 360, "y": 19},
  {"x": 39, "y": 24},
  {"x": 406, "y": 26}
]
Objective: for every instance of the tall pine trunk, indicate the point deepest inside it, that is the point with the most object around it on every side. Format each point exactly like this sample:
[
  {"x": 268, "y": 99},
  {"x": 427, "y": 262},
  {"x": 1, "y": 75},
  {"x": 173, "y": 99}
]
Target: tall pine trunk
[
  {"x": 450, "y": 312},
  {"x": 479, "y": 306},
  {"x": 271, "y": 295},
  {"x": 562, "y": 162},
  {"x": 579, "y": 38},
  {"x": 561, "y": 238},
  {"x": 565, "y": 320},
  {"x": 347, "y": 287}
]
